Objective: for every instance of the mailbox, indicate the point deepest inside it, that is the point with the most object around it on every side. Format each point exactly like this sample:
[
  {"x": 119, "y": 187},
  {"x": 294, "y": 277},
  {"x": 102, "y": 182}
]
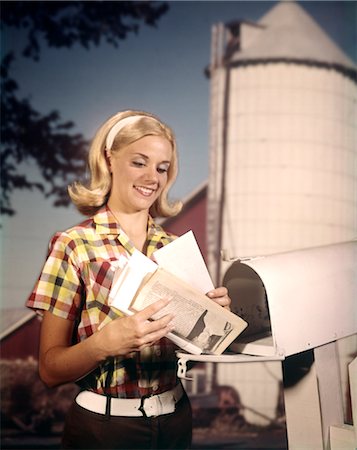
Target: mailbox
[{"x": 295, "y": 301}]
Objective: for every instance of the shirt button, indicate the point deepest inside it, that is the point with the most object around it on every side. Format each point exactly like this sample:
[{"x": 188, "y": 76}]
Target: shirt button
[
  {"x": 155, "y": 387},
  {"x": 158, "y": 352}
]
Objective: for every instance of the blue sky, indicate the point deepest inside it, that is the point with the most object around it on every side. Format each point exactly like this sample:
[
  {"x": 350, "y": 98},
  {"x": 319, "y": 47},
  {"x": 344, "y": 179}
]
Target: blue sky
[{"x": 160, "y": 70}]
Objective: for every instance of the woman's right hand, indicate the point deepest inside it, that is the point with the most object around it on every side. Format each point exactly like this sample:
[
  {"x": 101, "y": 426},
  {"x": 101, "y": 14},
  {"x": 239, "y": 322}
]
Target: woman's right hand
[
  {"x": 133, "y": 333},
  {"x": 60, "y": 361}
]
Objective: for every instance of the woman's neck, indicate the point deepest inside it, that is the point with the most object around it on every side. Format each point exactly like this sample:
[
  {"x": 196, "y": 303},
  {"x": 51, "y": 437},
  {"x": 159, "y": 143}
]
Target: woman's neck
[{"x": 134, "y": 226}]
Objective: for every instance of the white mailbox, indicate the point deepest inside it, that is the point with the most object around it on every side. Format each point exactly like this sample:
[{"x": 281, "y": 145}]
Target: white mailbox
[{"x": 295, "y": 301}]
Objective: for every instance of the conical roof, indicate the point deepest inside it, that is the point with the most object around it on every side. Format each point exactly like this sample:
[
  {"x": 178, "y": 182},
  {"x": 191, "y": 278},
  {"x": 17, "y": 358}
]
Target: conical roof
[{"x": 288, "y": 32}]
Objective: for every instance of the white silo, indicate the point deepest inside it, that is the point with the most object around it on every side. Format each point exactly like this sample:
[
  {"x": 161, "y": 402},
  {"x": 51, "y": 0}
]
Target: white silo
[
  {"x": 283, "y": 142},
  {"x": 283, "y": 152}
]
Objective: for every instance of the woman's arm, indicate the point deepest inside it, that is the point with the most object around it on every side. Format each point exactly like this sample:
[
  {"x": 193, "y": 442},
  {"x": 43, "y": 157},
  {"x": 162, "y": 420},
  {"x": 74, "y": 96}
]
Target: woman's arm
[{"x": 61, "y": 362}]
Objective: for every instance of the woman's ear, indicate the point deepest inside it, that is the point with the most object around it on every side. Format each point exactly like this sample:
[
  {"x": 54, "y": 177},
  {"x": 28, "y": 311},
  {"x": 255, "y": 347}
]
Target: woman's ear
[{"x": 108, "y": 157}]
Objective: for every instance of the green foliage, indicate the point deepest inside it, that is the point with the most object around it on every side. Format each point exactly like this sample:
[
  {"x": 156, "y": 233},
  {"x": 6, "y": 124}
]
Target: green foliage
[
  {"x": 62, "y": 24},
  {"x": 46, "y": 140},
  {"x": 27, "y": 136}
]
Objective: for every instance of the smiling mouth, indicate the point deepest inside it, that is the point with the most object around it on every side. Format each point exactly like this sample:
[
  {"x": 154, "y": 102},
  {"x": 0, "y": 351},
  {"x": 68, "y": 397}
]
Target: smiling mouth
[{"x": 145, "y": 191}]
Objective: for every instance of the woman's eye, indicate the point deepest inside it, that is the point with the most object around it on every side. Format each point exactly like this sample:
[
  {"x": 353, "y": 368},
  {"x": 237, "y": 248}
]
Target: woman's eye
[
  {"x": 162, "y": 169},
  {"x": 138, "y": 164}
]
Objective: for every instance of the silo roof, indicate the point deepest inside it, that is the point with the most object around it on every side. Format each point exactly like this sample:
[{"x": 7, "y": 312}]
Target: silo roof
[{"x": 288, "y": 32}]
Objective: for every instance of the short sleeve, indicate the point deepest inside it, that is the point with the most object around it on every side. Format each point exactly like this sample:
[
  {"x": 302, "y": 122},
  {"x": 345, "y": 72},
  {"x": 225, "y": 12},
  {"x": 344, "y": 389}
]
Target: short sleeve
[{"x": 59, "y": 288}]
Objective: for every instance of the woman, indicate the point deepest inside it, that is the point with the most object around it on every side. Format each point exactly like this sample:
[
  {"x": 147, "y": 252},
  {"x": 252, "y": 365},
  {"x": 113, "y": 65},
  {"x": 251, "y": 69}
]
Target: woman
[{"x": 130, "y": 396}]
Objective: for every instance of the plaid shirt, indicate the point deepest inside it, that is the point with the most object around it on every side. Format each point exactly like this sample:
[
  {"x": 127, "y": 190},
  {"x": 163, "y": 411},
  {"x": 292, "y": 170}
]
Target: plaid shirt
[{"x": 75, "y": 283}]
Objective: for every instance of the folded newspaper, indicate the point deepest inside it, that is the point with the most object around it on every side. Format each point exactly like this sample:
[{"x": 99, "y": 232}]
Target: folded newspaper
[{"x": 180, "y": 274}]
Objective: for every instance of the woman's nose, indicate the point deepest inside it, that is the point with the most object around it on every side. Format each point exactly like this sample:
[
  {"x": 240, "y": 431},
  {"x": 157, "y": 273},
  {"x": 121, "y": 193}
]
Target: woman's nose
[{"x": 151, "y": 173}]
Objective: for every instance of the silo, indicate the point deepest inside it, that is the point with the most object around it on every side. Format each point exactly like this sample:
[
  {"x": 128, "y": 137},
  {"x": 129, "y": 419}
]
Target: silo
[
  {"x": 283, "y": 154},
  {"x": 283, "y": 139}
]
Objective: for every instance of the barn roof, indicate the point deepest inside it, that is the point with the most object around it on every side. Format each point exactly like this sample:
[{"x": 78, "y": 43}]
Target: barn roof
[
  {"x": 12, "y": 319},
  {"x": 196, "y": 193},
  {"x": 288, "y": 32}
]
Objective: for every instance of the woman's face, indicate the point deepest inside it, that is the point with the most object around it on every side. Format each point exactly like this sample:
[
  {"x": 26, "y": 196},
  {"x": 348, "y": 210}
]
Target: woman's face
[{"x": 139, "y": 174}]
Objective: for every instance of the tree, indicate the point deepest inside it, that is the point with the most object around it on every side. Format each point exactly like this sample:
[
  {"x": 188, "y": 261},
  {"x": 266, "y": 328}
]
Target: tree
[{"x": 26, "y": 134}]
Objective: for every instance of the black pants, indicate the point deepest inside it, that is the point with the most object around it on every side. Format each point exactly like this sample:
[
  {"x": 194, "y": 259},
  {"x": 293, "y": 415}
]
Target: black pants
[{"x": 87, "y": 430}]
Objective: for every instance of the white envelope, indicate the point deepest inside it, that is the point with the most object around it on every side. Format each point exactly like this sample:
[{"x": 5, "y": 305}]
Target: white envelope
[{"x": 183, "y": 258}]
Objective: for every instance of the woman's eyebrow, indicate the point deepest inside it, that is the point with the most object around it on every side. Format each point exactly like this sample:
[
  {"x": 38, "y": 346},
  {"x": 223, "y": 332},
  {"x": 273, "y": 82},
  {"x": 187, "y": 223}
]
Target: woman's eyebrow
[{"x": 142, "y": 155}]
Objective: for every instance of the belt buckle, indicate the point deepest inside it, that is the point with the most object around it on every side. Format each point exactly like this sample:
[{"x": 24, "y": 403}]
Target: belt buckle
[{"x": 141, "y": 407}]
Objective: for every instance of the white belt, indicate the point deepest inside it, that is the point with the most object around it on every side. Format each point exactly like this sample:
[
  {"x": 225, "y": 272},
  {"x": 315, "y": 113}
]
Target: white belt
[{"x": 147, "y": 406}]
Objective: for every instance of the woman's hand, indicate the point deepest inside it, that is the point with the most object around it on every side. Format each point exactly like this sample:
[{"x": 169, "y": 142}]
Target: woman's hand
[
  {"x": 134, "y": 333},
  {"x": 220, "y": 296},
  {"x": 60, "y": 361}
]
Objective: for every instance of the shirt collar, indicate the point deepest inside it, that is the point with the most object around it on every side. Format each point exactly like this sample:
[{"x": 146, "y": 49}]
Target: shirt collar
[
  {"x": 106, "y": 223},
  {"x": 157, "y": 237}
]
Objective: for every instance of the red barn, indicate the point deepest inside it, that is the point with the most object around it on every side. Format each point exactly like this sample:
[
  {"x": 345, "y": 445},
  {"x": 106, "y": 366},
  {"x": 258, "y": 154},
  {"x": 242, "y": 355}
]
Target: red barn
[{"x": 192, "y": 217}]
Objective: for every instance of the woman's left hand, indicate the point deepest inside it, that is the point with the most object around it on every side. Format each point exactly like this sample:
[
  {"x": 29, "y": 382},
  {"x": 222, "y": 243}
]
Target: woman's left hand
[{"x": 220, "y": 296}]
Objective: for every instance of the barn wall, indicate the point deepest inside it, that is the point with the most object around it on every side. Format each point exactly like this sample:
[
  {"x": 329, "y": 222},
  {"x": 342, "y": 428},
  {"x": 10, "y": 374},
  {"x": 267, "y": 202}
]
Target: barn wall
[{"x": 23, "y": 342}]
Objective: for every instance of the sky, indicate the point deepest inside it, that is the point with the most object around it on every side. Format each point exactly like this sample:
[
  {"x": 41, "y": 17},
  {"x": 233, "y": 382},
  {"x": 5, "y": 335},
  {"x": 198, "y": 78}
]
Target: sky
[{"x": 159, "y": 70}]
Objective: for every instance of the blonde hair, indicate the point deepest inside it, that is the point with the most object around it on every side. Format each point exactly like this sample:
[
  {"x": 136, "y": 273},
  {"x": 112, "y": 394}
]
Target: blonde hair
[{"x": 89, "y": 199}]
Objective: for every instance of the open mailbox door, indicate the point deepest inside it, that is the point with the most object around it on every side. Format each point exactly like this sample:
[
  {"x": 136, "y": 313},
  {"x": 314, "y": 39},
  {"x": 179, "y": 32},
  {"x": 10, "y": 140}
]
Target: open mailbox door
[{"x": 294, "y": 301}]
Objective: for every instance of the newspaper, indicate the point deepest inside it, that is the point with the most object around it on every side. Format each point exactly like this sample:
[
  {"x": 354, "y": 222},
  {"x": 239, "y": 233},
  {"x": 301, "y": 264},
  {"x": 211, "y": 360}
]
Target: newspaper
[
  {"x": 201, "y": 325},
  {"x": 197, "y": 319}
]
